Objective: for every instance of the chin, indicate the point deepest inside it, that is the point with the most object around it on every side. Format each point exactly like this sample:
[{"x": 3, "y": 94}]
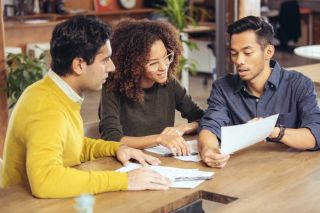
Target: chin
[
  {"x": 98, "y": 88},
  {"x": 245, "y": 78},
  {"x": 162, "y": 81}
]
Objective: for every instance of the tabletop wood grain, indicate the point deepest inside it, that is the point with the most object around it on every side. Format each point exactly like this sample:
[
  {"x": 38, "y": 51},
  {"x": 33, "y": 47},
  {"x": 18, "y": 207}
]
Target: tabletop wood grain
[{"x": 266, "y": 177}]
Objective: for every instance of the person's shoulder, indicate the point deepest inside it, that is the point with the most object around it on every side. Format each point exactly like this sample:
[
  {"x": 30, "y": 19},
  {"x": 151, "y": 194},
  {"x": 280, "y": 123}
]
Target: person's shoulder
[
  {"x": 294, "y": 77},
  {"x": 39, "y": 98},
  {"x": 39, "y": 90},
  {"x": 230, "y": 80},
  {"x": 106, "y": 92},
  {"x": 172, "y": 83}
]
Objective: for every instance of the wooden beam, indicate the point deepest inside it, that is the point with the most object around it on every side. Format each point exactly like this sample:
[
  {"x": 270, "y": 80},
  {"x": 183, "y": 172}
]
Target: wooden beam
[
  {"x": 221, "y": 48},
  {"x": 3, "y": 83}
]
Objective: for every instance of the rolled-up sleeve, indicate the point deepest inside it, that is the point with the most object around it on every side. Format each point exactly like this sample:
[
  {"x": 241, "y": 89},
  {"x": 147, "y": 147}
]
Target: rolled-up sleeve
[
  {"x": 308, "y": 109},
  {"x": 217, "y": 114}
]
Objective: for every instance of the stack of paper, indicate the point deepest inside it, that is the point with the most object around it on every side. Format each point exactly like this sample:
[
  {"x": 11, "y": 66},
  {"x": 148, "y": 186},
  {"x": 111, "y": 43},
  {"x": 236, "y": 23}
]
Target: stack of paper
[
  {"x": 234, "y": 138},
  {"x": 164, "y": 151},
  {"x": 180, "y": 178}
]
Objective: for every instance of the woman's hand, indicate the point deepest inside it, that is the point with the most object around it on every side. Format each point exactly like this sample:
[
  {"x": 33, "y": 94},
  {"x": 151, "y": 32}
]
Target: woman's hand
[{"x": 175, "y": 143}]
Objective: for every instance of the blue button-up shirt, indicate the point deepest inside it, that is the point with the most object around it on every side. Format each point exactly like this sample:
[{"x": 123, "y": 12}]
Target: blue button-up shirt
[{"x": 289, "y": 93}]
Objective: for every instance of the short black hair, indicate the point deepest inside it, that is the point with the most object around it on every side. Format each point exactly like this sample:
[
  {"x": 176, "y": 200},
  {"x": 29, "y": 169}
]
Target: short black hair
[
  {"x": 263, "y": 30},
  {"x": 80, "y": 36}
]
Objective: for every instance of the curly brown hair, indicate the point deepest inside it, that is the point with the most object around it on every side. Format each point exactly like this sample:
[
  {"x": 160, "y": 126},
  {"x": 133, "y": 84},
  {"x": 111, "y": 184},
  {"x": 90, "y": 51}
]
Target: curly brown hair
[{"x": 131, "y": 44}]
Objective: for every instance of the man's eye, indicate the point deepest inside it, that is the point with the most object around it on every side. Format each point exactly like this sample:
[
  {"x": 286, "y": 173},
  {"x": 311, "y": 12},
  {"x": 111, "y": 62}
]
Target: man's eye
[
  {"x": 248, "y": 53},
  {"x": 234, "y": 54}
]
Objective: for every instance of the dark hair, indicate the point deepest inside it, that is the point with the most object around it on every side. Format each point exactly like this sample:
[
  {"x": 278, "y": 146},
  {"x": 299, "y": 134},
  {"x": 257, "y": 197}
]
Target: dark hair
[
  {"x": 131, "y": 43},
  {"x": 80, "y": 36},
  {"x": 263, "y": 30}
]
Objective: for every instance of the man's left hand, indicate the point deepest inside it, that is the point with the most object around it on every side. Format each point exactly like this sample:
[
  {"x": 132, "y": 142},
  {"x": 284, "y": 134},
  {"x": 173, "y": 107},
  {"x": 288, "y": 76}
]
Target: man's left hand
[{"x": 125, "y": 153}]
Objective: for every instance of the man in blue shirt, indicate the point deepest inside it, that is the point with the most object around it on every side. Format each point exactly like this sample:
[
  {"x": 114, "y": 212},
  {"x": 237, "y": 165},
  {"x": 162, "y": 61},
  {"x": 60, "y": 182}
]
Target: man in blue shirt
[{"x": 260, "y": 88}]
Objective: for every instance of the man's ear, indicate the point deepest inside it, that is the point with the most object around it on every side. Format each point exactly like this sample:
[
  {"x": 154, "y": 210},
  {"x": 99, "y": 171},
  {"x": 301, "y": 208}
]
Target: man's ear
[
  {"x": 269, "y": 51},
  {"x": 78, "y": 65}
]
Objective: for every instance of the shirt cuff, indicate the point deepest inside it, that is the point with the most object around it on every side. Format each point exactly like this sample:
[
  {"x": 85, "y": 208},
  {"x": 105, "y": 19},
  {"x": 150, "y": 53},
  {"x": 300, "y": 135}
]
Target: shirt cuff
[
  {"x": 212, "y": 130},
  {"x": 315, "y": 130}
]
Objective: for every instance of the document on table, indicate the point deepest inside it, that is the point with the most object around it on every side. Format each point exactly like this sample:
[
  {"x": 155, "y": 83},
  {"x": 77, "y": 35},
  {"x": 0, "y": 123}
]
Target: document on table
[
  {"x": 180, "y": 178},
  {"x": 234, "y": 138},
  {"x": 164, "y": 151}
]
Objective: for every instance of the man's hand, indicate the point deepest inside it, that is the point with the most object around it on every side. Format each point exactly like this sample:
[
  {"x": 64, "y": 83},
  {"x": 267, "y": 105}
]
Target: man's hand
[
  {"x": 213, "y": 158},
  {"x": 144, "y": 178},
  {"x": 254, "y": 119},
  {"x": 125, "y": 153},
  {"x": 275, "y": 132},
  {"x": 175, "y": 143}
]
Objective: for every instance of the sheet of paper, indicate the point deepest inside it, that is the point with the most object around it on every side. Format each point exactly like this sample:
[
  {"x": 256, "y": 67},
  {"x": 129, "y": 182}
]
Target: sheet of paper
[
  {"x": 161, "y": 150},
  {"x": 172, "y": 173},
  {"x": 192, "y": 158},
  {"x": 193, "y": 148},
  {"x": 234, "y": 138}
]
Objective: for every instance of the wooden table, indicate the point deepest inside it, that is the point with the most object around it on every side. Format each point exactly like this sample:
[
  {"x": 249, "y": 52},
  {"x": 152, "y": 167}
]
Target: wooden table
[
  {"x": 312, "y": 71},
  {"x": 266, "y": 177}
]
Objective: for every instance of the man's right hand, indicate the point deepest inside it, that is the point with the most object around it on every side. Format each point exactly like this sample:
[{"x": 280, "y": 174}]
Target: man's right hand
[
  {"x": 213, "y": 157},
  {"x": 175, "y": 143},
  {"x": 145, "y": 178}
]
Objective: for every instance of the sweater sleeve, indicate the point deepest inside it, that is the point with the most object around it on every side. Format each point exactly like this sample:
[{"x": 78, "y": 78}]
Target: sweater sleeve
[
  {"x": 47, "y": 175},
  {"x": 184, "y": 103},
  {"x": 93, "y": 148},
  {"x": 109, "y": 113}
]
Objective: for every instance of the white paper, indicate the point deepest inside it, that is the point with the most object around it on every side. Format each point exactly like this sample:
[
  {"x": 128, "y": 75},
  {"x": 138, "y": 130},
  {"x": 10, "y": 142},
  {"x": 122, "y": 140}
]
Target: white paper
[
  {"x": 193, "y": 148},
  {"x": 172, "y": 173},
  {"x": 234, "y": 138},
  {"x": 191, "y": 158},
  {"x": 161, "y": 150}
]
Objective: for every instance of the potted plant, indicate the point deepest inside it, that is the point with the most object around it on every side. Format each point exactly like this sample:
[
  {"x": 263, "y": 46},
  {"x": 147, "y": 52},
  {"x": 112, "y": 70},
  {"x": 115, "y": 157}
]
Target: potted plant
[
  {"x": 22, "y": 70},
  {"x": 178, "y": 13}
]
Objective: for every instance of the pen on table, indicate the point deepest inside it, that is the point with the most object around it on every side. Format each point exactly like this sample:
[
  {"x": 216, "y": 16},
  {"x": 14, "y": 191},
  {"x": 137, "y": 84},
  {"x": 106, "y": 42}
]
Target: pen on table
[
  {"x": 172, "y": 155},
  {"x": 192, "y": 178}
]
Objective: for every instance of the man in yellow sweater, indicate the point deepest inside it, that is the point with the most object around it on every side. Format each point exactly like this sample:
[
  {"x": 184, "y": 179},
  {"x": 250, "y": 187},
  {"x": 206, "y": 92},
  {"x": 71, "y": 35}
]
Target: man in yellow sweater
[{"x": 45, "y": 135}]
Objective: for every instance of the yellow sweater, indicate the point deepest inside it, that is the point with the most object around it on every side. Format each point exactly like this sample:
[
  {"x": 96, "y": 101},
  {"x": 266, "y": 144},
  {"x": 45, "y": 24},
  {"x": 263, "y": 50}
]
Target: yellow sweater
[{"x": 45, "y": 138}]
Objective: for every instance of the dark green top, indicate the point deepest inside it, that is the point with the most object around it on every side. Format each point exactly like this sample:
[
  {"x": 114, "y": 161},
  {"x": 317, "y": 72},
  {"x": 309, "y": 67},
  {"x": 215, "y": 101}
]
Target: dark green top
[{"x": 120, "y": 116}]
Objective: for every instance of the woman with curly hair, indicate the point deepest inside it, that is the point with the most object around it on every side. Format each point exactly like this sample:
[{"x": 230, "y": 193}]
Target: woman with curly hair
[{"x": 139, "y": 100}]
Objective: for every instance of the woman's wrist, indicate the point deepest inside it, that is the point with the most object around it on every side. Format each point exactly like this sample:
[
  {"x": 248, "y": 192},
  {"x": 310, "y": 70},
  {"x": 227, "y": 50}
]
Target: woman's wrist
[{"x": 183, "y": 129}]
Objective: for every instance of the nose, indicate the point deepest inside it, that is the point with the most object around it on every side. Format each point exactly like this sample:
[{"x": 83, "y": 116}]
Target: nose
[
  {"x": 110, "y": 66},
  {"x": 162, "y": 65},
  {"x": 240, "y": 59}
]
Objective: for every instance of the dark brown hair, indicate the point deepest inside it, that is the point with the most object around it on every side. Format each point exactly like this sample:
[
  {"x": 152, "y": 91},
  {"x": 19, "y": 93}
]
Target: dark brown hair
[
  {"x": 263, "y": 30},
  {"x": 131, "y": 44}
]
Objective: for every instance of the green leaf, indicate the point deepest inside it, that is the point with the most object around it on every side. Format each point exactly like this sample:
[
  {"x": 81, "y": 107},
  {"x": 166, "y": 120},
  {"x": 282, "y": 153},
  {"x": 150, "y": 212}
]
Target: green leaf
[{"x": 22, "y": 71}]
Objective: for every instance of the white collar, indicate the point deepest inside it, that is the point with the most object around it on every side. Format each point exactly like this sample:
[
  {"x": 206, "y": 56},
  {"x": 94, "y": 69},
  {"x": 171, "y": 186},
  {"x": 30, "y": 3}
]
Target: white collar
[{"x": 65, "y": 87}]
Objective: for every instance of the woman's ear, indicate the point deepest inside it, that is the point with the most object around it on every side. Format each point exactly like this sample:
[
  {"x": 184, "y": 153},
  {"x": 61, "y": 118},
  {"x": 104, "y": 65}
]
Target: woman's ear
[
  {"x": 269, "y": 51},
  {"x": 78, "y": 66}
]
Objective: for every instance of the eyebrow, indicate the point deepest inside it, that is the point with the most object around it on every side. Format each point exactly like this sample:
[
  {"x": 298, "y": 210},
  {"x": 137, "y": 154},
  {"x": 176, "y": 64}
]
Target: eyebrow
[
  {"x": 244, "y": 48},
  {"x": 155, "y": 59},
  {"x": 105, "y": 58}
]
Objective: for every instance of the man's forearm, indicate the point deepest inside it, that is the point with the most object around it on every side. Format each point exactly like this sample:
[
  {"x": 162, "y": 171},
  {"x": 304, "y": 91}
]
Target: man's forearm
[
  {"x": 208, "y": 139},
  {"x": 299, "y": 138}
]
